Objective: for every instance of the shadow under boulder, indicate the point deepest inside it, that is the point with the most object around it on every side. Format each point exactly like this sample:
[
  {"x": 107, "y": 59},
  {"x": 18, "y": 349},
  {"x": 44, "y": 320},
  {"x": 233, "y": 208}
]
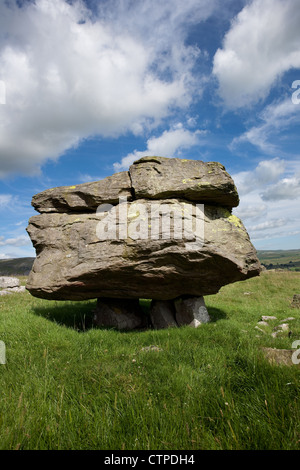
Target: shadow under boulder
[{"x": 127, "y": 314}]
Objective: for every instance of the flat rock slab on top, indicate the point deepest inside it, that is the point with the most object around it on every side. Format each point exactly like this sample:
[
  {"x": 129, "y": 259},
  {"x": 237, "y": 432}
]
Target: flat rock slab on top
[
  {"x": 148, "y": 178},
  {"x": 193, "y": 180},
  {"x": 84, "y": 197}
]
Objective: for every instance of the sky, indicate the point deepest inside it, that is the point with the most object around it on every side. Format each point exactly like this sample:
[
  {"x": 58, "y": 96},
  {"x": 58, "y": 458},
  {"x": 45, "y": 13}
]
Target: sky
[{"x": 87, "y": 87}]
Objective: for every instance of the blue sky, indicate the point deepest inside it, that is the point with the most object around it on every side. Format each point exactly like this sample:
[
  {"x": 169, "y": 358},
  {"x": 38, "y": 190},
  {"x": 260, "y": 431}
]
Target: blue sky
[{"x": 87, "y": 87}]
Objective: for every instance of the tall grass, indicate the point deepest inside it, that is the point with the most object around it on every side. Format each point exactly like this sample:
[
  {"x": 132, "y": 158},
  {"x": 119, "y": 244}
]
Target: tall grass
[{"x": 67, "y": 385}]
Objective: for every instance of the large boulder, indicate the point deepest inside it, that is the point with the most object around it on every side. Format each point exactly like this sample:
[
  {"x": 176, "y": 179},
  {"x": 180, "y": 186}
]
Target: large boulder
[{"x": 146, "y": 240}]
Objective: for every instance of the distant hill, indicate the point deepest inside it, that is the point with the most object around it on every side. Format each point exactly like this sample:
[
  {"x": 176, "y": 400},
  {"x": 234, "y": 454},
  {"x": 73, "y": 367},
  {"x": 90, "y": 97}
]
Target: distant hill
[
  {"x": 16, "y": 266},
  {"x": 280, "y": 259}
]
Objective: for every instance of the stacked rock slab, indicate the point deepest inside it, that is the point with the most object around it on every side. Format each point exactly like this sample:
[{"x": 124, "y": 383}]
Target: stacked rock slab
[{"x": 118, "y": 238}]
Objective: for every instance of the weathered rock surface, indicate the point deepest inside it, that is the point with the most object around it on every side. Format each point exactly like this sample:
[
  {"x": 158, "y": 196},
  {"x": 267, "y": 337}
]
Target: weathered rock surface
[
  {"x": 132, "y": 252},
  {"x": 280, "y": 356}
]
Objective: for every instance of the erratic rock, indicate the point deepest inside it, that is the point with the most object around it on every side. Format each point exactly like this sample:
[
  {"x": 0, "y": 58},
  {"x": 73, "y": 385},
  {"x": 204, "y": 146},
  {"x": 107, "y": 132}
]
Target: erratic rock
[{"x": 162, "y": 230}]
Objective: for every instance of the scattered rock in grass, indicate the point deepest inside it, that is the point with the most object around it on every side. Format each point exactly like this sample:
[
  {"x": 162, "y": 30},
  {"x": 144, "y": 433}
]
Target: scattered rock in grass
[
  {"x": 268, "y": 317},
  {"x": 9, "y": 282},
  {"x": 12, "y": 290},
  {"x": 288, "y": 319},
  {"x": 151, "y": 348},
  {"x": 279, "y": 356},
  {"x": 263, "y": 323},
  {"x": 259, "y": 329},
  {"x": 282, "y": 327},
  {"x": 296, "y": 301}
]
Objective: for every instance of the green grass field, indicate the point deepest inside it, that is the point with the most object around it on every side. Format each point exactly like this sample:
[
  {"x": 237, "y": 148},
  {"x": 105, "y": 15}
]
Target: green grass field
[{"x": 67, "y": 385}]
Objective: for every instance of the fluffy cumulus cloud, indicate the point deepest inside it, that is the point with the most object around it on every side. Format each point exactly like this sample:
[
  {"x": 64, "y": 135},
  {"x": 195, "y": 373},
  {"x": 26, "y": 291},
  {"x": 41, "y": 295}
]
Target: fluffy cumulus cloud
[
  {"x": 270, "y": 195},
  {"x": 70, "y": 74},
  {"x": 262, "y": 43},
  {"x": 22, "y": 240},
  {"x": 266, "y": 173},
  {"x": 169, "y": 144}
]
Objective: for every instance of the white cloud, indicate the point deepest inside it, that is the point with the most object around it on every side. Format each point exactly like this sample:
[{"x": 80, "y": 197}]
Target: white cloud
[
  {"x": 22, "y": 240},
  {"x": 69, "y": 75},
  {"x": 275, "y": 119},
  {"x": 5, "y": 200},
  {"x": 169, "y": 144},
  {"x": 262, "y": 43},
  {"x": 4, "y": 256},
  {"x": 269, "y": 206},
  {"x": 269, "y": 224},
  {"x": 266, "y": 172},
  {"x": 287, "y": 188}
]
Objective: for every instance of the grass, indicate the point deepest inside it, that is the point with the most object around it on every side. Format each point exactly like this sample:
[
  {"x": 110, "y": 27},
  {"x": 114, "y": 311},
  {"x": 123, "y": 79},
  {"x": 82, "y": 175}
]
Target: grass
[{"x": 67, "y": 385}]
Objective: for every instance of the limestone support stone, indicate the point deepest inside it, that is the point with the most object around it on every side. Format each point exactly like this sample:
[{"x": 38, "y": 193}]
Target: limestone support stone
[
  {"x": 122, "y": 314},
  {"x": 191, "y": 311}
]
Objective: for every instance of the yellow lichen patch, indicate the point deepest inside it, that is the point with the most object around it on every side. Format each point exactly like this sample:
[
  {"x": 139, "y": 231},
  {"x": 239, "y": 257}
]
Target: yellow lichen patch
[
  {"x": 187, "y": 180},
  {"x": 226, "y": 212},
  {"x": 71, "y": 187},
  {"x": 233, "y": 219}
]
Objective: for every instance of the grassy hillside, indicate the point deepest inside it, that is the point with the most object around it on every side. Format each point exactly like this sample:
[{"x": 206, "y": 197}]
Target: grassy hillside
[
  {"x": 15, "y": 267},
  {"x": 67, "y": 385}
]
